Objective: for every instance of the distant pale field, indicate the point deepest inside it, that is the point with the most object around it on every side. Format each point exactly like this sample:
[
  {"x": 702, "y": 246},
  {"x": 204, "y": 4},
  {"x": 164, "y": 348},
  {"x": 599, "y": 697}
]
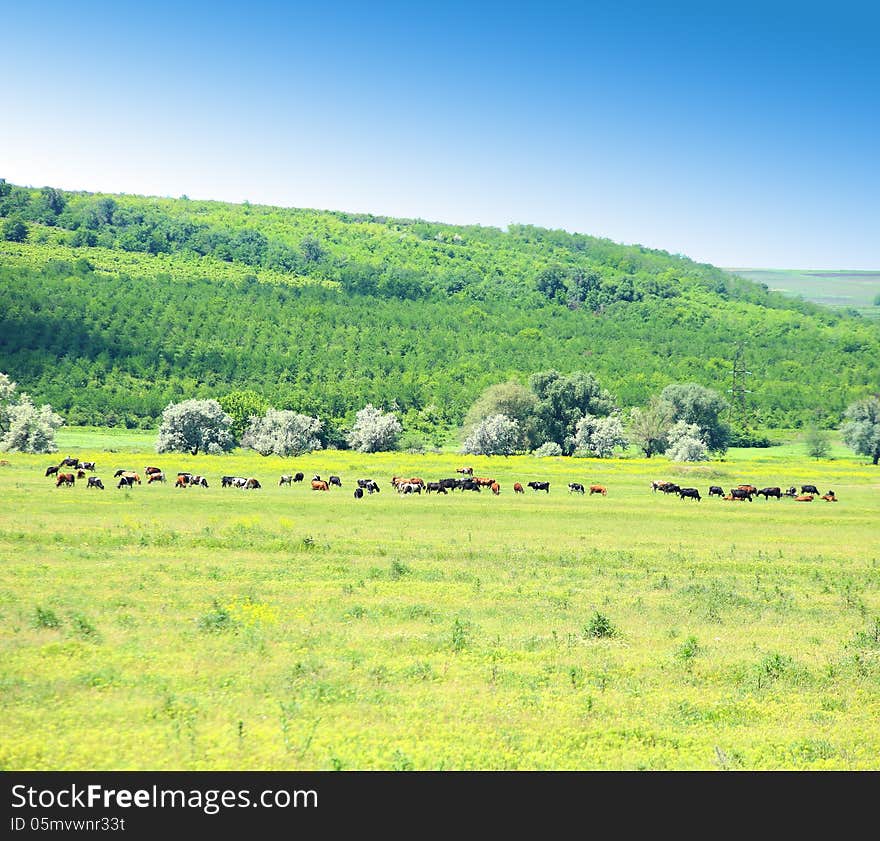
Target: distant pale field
[
  {"x": 833, "y": 289},
  {"x": 282, "y": 628}
]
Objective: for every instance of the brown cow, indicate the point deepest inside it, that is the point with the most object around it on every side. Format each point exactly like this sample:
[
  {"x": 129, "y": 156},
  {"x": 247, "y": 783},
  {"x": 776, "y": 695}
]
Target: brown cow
[
  {"x": 496, "y": 488},
  {"x": 484, "y": 482},
  {"x": 804, "y": 498},
  {"x": 149, "y": 471},
  {"x": 182, "y": 480},
  {"x": 66, "y": 479},
  {"x": 598, "y": 489},
  {"x": 320, "y": 486},
  {"x": 155, "y": 477},
  {"x": 80, "y": 474},
  {"x": 518, "y": 488},
  {"x": 829, "y": 497},
  {"x": 748, "y": 489}
]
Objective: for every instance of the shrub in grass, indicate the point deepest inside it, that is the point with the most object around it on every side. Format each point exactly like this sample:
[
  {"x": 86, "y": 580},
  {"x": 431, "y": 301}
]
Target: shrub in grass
[
  {"x": 46, "y": 618},
  {"x": 600, "y": 627},
  {"x": 217, "y": 620}
]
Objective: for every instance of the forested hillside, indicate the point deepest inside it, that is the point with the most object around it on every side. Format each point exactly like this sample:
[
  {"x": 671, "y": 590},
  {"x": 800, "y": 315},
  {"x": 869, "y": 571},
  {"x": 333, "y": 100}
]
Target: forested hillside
[{"x": 112, "y": 306}]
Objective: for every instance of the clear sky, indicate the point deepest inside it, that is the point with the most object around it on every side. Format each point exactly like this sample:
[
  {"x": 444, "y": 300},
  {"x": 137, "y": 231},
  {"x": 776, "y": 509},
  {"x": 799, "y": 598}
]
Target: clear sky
[{"x": 744, "y": 135}]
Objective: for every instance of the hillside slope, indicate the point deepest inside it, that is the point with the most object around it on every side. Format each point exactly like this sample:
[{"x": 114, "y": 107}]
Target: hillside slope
[{"x": 114, "y": 305}]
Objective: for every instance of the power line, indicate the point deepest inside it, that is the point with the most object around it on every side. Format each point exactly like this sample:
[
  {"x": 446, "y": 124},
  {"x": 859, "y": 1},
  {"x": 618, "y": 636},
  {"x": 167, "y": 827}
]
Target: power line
[{"x": 738, "y": 391}]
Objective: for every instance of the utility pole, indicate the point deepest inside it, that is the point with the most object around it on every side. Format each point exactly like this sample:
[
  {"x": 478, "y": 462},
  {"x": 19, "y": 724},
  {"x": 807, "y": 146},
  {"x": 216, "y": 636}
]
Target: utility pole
[{"x": 738, "y": 390}]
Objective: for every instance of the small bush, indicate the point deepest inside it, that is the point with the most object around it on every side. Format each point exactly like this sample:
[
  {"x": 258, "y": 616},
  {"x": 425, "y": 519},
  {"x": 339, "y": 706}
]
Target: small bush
[
  {"x": 216, "y": 620},
  {"x": 600, "y": 627},
  {"x": 460, "y": 635},
  {"x": 46, "y": 618},
  {"x": 689, "y": 649},
  {"x": 83, "y": 627}
]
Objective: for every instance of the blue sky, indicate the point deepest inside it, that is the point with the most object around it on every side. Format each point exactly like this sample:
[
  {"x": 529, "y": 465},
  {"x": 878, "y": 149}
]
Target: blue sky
[{"x": 744, "y": 136}]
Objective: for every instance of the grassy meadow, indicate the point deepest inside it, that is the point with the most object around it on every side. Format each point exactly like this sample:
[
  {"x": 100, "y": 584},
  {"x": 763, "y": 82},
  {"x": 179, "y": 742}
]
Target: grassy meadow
[
  {"x": 285, "y": 629},
  {"x": 829, "y": 288}
]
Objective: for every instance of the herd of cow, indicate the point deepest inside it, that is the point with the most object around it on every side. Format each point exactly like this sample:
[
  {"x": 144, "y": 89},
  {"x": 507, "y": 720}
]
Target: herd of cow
[
  {"x": 403, "y": 485},
  {"x": 744, "y": 493},
  {"x": 415, "y": 484}
]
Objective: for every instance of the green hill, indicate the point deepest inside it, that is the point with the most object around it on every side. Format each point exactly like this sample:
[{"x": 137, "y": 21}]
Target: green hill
[{"x": 112, "y": 306}]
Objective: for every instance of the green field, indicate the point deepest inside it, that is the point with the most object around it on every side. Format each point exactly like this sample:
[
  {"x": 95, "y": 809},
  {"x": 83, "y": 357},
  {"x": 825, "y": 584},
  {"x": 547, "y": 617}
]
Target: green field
[
  {"x": 285, "y": 629},
  {"x": 857, "y": 290}
]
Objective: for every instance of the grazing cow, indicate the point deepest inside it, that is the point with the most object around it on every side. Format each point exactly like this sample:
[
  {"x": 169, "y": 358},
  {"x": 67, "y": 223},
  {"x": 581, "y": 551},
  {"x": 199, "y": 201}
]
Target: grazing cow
[
  {"x": 716, "y": 490},
  {"x": 298, "y": 477},
  {"x": 518, "y": 488},
  {"x": 436, "y": 487},
  {"x": 119, "y": 472},
  {"x": 659, "y": 485},
  {"x": 809, "y": 489},
  {"x": 576, "y": 487},
  {"x": 670, "y": 488},
  {"x": 95, "y": 482},
  {"x": 226, "y": 481},
  {"x": 749, "y": 488},
  {"x": 200, "y": 481},
  {"x": 496, "y": 488},
  {"x": 239, "y": 482},
  {"x": 149, "y": 471},
  {"x": 484, "y": 483},
  {"x": 358, "y": 493},
  {"x": 598, "y": 489},
  {"x": 368, "y": 485},
  {"x": 409, "y": 488},
  {"x": 335, "y": 480},
  {"x": 740, "y": 493},
  {"x": 70, "y": 461},
  {"x": 80, "y": 474},
  {"x": 540, "y": 486},
  {"x": 768, "y": 492},
  {"x": 125, "y": 481},
  {"x": 792, "y": 491},
  {"x": 469, "y": 485},
  {"x": 689, "y": 493},
  {"x": 318, "y": 485},
  {"x": 468, "y": 471},
  {"x": 182, "y": 480},
  {"x": 804, "y": 498},
  {"x": 252, "y": 484},
  {"x": 87, "y": 465},
  {"x": 156, "y": 477},
  {"x": 829, "y": 496},
  {"x": 66, "y": 479},
  {"x": 285, "y": 480},
  {"x": 52, "y": 471},
  {"x": 449, "y": 484}
]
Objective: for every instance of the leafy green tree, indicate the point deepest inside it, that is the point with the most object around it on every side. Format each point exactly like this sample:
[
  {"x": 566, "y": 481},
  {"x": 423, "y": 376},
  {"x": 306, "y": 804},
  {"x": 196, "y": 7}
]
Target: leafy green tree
[
  {"x": 817, "y": 442},
  {"x": 861, "y": 431},
  {"x": 511, "y": 399},
  {"x": 649, "y": 427},
  {"x": 562, "y": 401},
  {"x": 241, "y": 406},
  {"x": 311, "y": 250},
  {"x": 696, "y": 404},
  {"x": 194, "y": 425},
  {"x": 14, "y": 230}
]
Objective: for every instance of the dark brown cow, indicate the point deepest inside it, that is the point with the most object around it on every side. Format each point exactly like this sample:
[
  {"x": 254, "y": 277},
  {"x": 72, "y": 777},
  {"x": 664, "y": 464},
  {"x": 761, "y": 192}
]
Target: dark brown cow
[
  {"x": 748, "y": 488},
  {"x": 66, "y": 479},
  {"x": 320, "y": 486},
  {"x": 52, "y": 471},
  {"x": 518, "y": 488},
  {"x": 496, "y": 488},
  {"x": 149, "y": 471},
  {"x": 80, "y": 474},
  {"x": 252, "y": 484}
]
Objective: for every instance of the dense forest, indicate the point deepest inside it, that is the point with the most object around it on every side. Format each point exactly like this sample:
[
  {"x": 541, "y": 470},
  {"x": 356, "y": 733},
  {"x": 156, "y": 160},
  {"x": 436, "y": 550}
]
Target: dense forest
[{"x": 112, "y": 306}]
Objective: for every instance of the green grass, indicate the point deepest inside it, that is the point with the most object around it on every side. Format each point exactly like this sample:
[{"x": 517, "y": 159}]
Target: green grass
[
  {"x": 281, "y": 628},
  {"x": 829, "y": 288}
]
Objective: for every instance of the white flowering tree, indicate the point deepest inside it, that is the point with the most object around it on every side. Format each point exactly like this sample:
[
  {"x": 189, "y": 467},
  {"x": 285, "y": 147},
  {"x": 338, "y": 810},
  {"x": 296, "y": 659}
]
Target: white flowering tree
[
  {"x": 194, "y": 425},
  {"x": 861, "y": 432},
  {"x": 547, "y": 449},
  {"x": 374, "y": 430},
  {"x": 283, "y": 433},
  {"x": 494, "y": 435},
  {"x": 685, "y": 443},
  {"x": 599, "y": 436},
  {"x": 29, "y": 429}
]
